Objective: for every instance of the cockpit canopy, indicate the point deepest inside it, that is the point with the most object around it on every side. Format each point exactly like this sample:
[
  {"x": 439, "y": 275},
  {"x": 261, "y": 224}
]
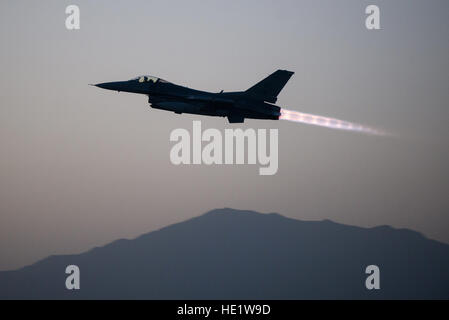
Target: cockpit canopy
[{"x": 151, "y": 79}]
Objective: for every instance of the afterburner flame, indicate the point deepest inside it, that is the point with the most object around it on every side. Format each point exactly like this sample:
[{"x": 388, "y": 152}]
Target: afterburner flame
[{"x": 327, "y": 122}]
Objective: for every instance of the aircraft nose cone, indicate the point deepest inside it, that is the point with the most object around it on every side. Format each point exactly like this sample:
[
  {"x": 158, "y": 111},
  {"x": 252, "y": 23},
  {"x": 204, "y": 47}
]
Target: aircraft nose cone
[
  {"x": 125, "y": 86},
  {"x": 108, "y": 85}
]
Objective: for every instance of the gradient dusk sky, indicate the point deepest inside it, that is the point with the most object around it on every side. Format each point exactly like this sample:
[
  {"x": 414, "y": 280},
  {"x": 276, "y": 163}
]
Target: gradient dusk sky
[{"x": 81, "y": 167}]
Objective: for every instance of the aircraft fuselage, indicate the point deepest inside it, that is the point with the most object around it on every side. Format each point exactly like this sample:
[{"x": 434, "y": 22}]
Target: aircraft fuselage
[{"x": 236, "y": 106}]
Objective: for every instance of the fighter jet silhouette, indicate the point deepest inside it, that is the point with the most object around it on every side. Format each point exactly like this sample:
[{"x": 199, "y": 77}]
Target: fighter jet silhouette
[{"x": 254, "y": 103}]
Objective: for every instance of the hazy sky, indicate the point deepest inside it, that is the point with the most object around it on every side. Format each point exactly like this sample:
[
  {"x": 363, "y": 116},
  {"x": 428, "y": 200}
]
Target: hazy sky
[{"x": 81, "y": 166}]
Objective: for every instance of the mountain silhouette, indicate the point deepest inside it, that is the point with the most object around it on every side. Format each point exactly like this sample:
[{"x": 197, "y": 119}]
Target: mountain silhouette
[{"x": 235, "y": 254}]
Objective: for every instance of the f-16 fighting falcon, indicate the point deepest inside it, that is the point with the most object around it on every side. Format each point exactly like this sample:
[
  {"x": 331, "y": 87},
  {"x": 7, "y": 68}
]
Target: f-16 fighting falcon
[{"x": 255, "y": 103}]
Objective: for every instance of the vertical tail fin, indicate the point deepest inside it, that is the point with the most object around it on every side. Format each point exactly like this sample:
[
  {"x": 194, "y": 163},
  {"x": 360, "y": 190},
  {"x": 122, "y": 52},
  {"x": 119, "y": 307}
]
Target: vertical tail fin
[{"x": 269, "y": 88}]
